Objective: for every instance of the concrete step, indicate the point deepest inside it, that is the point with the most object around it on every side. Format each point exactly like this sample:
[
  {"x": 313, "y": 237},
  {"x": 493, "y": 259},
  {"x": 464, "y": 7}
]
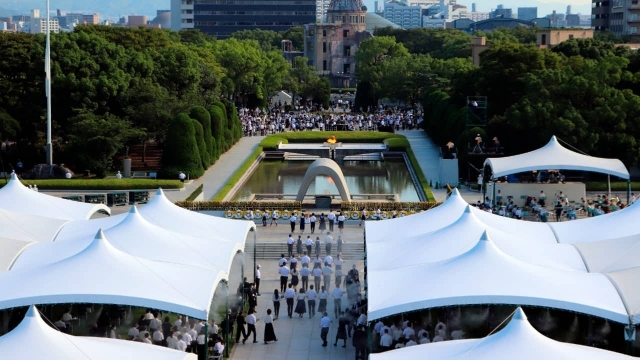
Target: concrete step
[{"x": 272, "y": 250}]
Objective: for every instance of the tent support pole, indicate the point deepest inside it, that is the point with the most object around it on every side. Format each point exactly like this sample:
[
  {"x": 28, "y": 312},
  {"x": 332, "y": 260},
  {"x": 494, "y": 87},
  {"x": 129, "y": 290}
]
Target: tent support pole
[
  {"x": 493, "y": 200},
  {"x": 253, "y": 230},
  {"x": 609, "y": 185},
  {"x": 226, "y": 340},
  {"x": 628, "y": 192},
  {"x": 206, "y": 338}
]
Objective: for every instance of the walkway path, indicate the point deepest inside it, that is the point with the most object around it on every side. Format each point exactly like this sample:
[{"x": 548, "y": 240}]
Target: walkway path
[
  {"x": 218, "y": 174},
  {"x": 426, "y": 152}
]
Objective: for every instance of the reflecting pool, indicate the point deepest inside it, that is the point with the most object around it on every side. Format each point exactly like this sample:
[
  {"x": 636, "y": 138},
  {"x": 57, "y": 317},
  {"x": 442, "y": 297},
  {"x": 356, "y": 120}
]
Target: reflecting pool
[{"x": 363, "y": 177}]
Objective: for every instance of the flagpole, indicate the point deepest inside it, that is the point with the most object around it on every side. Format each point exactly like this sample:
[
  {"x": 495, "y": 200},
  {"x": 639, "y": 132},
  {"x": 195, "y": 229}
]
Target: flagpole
[{"x": 47, "y": 69}]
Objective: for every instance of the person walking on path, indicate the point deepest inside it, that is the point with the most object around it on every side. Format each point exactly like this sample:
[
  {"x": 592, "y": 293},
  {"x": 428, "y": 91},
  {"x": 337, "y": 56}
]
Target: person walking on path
[
  {"x": 337, "y": 301},
  {"x": 301, "y": 307},
  {"x": 323, "y": 223},
  {"x": 341, "y": 220},
  {"x": 363, "y": 216},
  {"x": 317, "y": 246},
  {"x": 341, "y": 334},
  {"x": 339, "y": 244},
  {"x": 251, "y": 327},
  {"x": 307, "y": 221},
  {"x": 276, "y": 298},
  {"x": 240, "y": 323},
  {"x": 338, "y": 273},
  {"x": 289, "y": 295},
  {"x": 274, "y": 218},
  {"x": 360, "y": 342},
  {"x": 311, "y": 299},
  {"x": 322, "y": 296},
  {"x": 258, "y": 279},
  {"x": 302, "y": 223},
  {"x": 312, "y": 222},
  {"x": 304, "y": 273},
  {"x": 332, "y": 219},
  {"x": 290, "y": 243},
  {"x": 309, "y": 244},
  {"x": 325, "y": 323},
  {"x": 269, "y": 332},
  {"x": 328, "y": 241},
  {"x": 292, "y": 222},
  {"x": 317, "y": 276},
  {"x": 295, "y": 279},
  {"x": 284, "y": 277},
  {"x": 299, "y": 246},
  {"x": 326, "y": 273}
]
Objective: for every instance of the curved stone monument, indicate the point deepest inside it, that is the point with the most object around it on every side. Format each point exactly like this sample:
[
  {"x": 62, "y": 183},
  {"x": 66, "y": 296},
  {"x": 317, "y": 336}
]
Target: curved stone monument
[{"x": 326, "y": 167}]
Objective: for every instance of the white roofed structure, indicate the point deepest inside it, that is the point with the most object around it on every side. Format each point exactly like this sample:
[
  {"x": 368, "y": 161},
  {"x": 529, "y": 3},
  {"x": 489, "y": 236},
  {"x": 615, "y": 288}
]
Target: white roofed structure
[
  {"x": 486, "y": 275},
  {"x": 101, "y": 273},
  {"x": 16, "y": 197},
  {"x": 518, "y": 340},
  {"x": 555, "y": 156},
  {"x": 33, "y": 338}
]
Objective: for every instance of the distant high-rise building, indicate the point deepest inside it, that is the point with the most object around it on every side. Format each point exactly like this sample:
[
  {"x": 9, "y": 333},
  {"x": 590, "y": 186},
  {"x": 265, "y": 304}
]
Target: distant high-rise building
[
  {"x": 19, "y": 18},
  {"x": 527, "y": 13},
  {"x": 473, "y": 7},
  {"x": 35, "y": 14},
  {"x": 322, "y": 6},
  {"x": 73, "y": 19},
  {"x": 91, "y": 19},
  {"x": 39, "y": 26},
  {"x": 502, "y": 12},
  {"x": 573, "y": 20},
  {"x": 221, "y": 18},
  {"x": 135, "y": 21},
  {"x": 58, "y": 13},
  {"x": 568, "y": 9},
  {"x": 479, "y": 16},
  {"x": 62, "y": 22},
  {"x": 405, "y": 16}
]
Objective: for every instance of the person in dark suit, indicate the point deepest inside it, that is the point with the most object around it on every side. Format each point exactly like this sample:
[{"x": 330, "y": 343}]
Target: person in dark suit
[
  {"x": 360, "y": 342},
  {"x": 241, "y": 329},
  {"x": 343, "y": 321}
]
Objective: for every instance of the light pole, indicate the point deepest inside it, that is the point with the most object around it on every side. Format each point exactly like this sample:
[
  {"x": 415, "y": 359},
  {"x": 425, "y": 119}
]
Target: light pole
[
  {"x": 226, "y": 313},
  {"x": 253, "y": 230},
  {"x": 47, "y": 81}
]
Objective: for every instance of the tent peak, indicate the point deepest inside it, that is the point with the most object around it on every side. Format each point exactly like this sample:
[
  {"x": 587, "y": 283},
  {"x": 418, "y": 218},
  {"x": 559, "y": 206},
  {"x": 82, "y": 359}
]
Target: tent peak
[
  {"x": 32, "y": 312},
  {"x": 455, "y": 192},
  {"x": 159, "y": 192},
  {"x": 467, "y": 210},
  {"x": 485, "y": 236},
  {"x": 519, "y": 314},
  {"x": 133, "y": 210},
  {"x": 14, "y": 176},
  {"x": 100, "y": 235}
]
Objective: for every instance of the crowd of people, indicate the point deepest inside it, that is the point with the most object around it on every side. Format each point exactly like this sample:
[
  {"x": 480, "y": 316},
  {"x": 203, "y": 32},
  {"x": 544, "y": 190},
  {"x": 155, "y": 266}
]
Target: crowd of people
[
  {"x": 388, "y": 335},
  {"x": 257, "y": 122}
]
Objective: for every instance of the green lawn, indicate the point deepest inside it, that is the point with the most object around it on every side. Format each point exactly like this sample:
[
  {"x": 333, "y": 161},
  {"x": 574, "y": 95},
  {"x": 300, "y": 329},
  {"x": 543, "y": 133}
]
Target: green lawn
[{"x": 102, "y": 184}]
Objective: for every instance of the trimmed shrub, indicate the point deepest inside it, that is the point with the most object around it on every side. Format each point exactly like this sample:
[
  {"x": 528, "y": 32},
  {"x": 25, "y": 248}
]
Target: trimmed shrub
[
  {"x": 181, "y": 149},
  {"x": 204, "y": 118},
  {"x": 228, "y": 138},
  {"x": 202, "y": 146},
  {"x": 215, "y": 157},
  {"x": 217, "y": 128}
]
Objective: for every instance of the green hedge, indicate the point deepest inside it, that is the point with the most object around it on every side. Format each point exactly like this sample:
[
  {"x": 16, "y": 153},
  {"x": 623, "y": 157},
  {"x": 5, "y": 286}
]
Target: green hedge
[
  {"x": 344, "y": 90},
  {"x": 195, "y": 193},
  {"x": 181, "y": 149},
  {"x": 238, "y": 174},
  {"x": 103, "y": 184},
  {"x": 202, "y": 145},
  {"x": 615, "y": 186},
  {"x": 270, "y": 142},
  {"x": 204, "y": 118},
  {"x": 240, "y": 205}
]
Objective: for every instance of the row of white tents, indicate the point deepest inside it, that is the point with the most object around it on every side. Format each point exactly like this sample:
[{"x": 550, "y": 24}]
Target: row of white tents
[{"x": 159, "y": 256}]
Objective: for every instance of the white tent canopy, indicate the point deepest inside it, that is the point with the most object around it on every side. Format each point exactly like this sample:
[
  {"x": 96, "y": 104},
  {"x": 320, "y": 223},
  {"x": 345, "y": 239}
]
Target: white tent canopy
[
  {"x": 486, "y": 275},
  {"x": 16, "y": 197},
  {"x": 555, "y": 156},
  {"x": 21, "y": 230},
  {"x": 138, "y": 237},
  {"x": 517, "y": 340},
  {"x": 34, "y": 339},
  {"x": 100, "y": 273},
  {"x": 461, "y": 236}
]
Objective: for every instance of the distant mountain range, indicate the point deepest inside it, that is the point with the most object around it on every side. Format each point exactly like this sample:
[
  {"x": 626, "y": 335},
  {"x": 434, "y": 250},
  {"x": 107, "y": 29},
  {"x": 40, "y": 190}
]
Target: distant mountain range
[{"x": 110, "y": 9}]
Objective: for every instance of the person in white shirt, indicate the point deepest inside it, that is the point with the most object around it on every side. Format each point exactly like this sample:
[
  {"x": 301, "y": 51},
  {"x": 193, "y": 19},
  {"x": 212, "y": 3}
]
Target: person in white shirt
[
  {"x": 251, "y": 326},
  {"x": 438, "y": 338},
  {"x": 290, "y": 242},
  {"x": 143, "y": 333},
  {"x": 363, "y": 216},
  {"x": 258, "y": 279},
  {"x": 326, "y": 273},
  {"x": 134, "y": 331},
  {"x": 178, "y": 322},
  {"x": 292, "y": 222},
  {"x": 294, "y": 263},
  {"x": 408, "y": 332},
  {"x": 337, "y": 301},
  {"x": 284, "y": 277},
  {"x": 274, "y": 218},
  {"x": 457, "y": 334},
  {"x": 66, "y": 317},
  {"x": 146, "y": 339},
  {"x": 386, "y": 340},
  {"x": 289, "y": 295},
  {"x": 182, "y": 176},
  {"x": 269, "y": 333},
  {"x": 328, "y": 260},
  {"x": 305, "y": 259},
  {"x": 201, "y": 340},
  {"x": 325, "y": 323},
  {"x": 154, "y": 325},
  {"x": 60, "y": 325},
  {"x": 304, "y": 273},
  {"x": 411, "y": 342},
  {"x": 317, "y": 276},
  {"x": 218, "y": 348},
  {"x": 282, "y": 261},
  {"x": 311, "y": 301},
  {"x": 332, "y": 219},
  {"x": 158, "y": 337},
  {"x": 188, "y": 339},
  {"x": 309, "y": 244},
  {"x": 341, "y": 219},
  {"x": 312, "y": 222},
  {"x": 328, "y": 241},
  {"x": 172, "y": 341},
  {"x": 378, "y": 214}
]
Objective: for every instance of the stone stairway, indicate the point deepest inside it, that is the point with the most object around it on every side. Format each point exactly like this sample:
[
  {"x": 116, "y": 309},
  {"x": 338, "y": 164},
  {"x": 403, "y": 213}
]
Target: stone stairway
[{"x": 273, "y": 250}]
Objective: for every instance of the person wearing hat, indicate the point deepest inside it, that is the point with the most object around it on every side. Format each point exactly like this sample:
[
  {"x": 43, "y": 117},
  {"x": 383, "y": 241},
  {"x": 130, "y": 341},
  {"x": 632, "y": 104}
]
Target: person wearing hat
[{"x": 258, "y": 279}]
